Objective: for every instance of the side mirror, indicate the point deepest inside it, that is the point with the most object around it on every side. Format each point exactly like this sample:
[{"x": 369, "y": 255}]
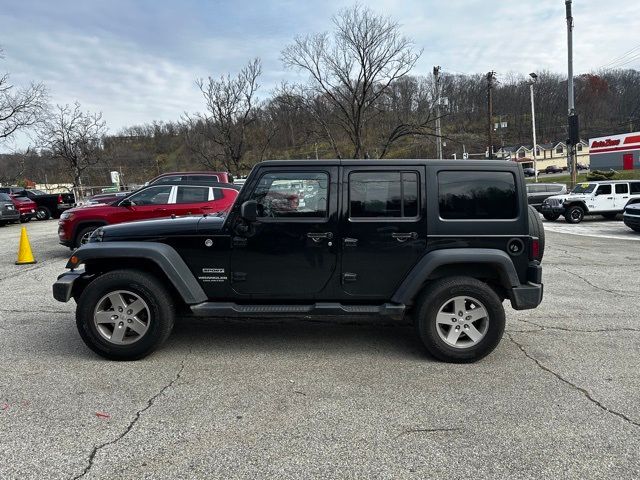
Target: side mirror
[
  {"x": 249, "y": 211},
  {"x": 126, "y": 203}
]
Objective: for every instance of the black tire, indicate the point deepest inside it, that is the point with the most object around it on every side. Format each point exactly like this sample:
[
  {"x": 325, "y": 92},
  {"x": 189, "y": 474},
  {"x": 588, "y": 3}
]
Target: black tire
[
  {"x": 609, "y": 216},
  {"x": 552, "y": 217},
  {"x": 25, "y": 219},
  {"x": 437, "y": 294},
  {"x": 635, "y": 229},
  {"x": 574, "y": 214},
  {"x": 43, "y": 213},
  {"x": 84, "y": 232},
  {"x": 160, "y": 321},
  {"x": 2, "y": 224},
  {"x": 536, "y": 229}
]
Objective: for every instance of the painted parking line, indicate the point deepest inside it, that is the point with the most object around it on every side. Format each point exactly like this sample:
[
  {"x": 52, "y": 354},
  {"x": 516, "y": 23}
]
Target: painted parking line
[{"x": 600, "y": 229}]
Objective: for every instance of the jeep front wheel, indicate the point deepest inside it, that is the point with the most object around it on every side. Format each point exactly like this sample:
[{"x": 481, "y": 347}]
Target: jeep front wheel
[
  {"x": 124, "y": 315},
  {"x": 460, "y": 319},
  {"x": 552, "y": 217},
  {"x": 574, "y": 214}
]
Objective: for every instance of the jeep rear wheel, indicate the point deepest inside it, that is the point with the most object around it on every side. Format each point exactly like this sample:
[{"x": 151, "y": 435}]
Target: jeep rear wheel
[
  {"x": 574, "y": 214},
  {"x": 460, "y": 319},
  {"x": 124, "y": 315}
]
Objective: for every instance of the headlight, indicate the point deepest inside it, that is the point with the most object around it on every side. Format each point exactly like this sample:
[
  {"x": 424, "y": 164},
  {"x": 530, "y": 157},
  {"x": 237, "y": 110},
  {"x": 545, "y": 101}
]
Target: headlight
[
  {"x": 97, "y": 235},
  {"x": 66, "y": 215}
]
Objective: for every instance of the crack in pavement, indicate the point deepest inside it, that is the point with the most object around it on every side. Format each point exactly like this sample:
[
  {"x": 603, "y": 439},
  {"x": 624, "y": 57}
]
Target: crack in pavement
[
  {"x": 615, "y": 292},
  {"x": 133, "y": 422},
  {"x": 584, "y": 391},
  {"x": 577, "y": 330}
]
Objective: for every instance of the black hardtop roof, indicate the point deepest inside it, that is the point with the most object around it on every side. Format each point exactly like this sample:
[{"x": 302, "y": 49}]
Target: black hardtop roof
[{"x": 503, "y": 164}]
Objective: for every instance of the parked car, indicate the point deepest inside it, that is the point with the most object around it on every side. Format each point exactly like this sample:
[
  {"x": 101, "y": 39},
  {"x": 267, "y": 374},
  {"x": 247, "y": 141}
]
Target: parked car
[
  {"x": 8, "y": 211},
  {"x": 26, "y": 207},
  {"x": 538, "y": 192},
  {"x": 399, "y": 238},
  {"x": 631, "y": 216},
  {"x": 106, "y": 198},
  {"x": 202, "y": 178},
  {"x": 529, "y": 172},
  {"x": 606, "y": 198},
  {"x": 48, "y": 205},
  {"x": 155, "y": 201},
  {"x": 581, "y": 166},
  {"x": 552, "y": 169}
]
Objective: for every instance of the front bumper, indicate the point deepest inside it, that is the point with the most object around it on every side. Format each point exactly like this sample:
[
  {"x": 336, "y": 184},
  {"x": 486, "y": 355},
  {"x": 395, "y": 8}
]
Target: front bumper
[
  {"x": 555, "y": 210},
  {"x": 9, "y": 216},
  {"x": 63, "y": 289},
  {"x": 631, "y": 221}
]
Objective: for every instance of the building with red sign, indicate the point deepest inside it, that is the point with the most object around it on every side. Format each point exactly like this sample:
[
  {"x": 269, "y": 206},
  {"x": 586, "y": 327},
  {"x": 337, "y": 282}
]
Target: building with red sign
[{"x": 620, "y": 152}]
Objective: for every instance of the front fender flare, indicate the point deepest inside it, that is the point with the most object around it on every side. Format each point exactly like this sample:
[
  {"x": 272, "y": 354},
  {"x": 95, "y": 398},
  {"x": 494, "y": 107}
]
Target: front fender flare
[
  {"x": 413, "y": 282},
  {"x": 162, "y": 255}
]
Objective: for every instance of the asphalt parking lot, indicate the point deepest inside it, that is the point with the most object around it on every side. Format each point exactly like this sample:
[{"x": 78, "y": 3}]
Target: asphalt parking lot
[{"x": 230, "y": 399}]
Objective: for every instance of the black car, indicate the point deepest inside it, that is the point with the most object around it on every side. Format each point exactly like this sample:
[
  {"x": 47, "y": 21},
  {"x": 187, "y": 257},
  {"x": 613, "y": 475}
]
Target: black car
[
  {"x": 539, "y": 192},
  {"x": 552, "y": 169},
  {"x": 8, "y": 211},
  {"x": 50, "y": 205},
  {"x": 439, "y": 243},
  {"x": 529, "y": 172}
]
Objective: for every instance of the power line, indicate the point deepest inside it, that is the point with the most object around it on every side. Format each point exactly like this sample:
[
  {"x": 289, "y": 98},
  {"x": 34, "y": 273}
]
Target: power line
[{"x": 619, "y": 58}]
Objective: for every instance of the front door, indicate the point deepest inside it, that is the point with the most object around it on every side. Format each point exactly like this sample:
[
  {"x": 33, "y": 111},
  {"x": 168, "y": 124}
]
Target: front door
[
  {"x": 384, "y": 232},
  {"x": 291, "y": 250},
  {"x": 152, "y": 202}
]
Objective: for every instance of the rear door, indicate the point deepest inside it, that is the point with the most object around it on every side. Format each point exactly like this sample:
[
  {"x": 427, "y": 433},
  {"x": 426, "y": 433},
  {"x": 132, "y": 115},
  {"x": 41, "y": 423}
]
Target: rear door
[
  {"x": 191, "y": 200},
  {"x": 620, "y": 195},
  {"x": 383, "y": 230}
]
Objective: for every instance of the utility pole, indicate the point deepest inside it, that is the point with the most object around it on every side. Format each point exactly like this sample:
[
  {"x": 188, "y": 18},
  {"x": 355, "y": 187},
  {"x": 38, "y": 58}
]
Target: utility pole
[
  {"x": 534, "y": 79},
  {"x": 436, "y": 78},
  {"x": 490, "y": 78},
  {"x": 574, "y": 136}
]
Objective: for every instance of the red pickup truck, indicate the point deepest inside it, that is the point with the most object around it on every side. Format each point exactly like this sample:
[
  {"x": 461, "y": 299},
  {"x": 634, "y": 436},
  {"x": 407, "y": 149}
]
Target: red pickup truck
[{"x": 154, "y": 201}]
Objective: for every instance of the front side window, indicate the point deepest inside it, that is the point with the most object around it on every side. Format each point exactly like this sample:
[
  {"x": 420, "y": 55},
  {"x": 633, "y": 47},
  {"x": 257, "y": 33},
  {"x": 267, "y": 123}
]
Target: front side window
[
  {"x": 604, "y": 190},
  {"x": 475, "y": 195},
  {"x": 169, "y": 179},
  {"x": 151, "y": 196},
  {"x": 383, "y": 195},
  {"x": 622, "y": 188},
  {"x": 192, "y": 194},
  {"x": 292, "y": 195}
]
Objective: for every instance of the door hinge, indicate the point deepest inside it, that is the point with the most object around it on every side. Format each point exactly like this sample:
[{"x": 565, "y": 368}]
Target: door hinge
[
  {"x": 349, "y": 277},
  {"x": 238, "y": 276}
]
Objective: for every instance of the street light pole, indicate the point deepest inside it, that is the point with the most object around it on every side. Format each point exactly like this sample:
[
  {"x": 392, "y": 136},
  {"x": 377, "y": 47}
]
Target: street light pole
[
  {"x": 534, "y": 79},
  {"x": 436, "y": 77},
  {"x": 573, "y": 133}
]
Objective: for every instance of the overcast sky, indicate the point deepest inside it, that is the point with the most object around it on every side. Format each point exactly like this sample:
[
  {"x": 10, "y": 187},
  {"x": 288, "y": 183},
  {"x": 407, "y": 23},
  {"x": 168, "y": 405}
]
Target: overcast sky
[{"x": 137, "y": 61}]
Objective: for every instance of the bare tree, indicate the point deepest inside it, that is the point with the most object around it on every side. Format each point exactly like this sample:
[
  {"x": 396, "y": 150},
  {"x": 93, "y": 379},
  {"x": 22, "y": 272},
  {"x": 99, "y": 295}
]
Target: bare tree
[
  {"x": 231, "y": 108},
  {"x": 75, "y": 137},
  {"x": 20, "y": 108},
  {"x": 354, "y": 66}
]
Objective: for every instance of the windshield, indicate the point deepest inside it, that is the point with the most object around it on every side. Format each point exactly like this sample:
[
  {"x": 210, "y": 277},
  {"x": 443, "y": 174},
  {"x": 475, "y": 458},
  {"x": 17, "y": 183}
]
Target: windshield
[
  {"x": 4, "y": 197},
  {"x": 584, "y": 188}
]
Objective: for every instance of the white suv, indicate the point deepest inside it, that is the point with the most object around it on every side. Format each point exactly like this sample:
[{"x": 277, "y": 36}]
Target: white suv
[{"x": 592, "y": 198}]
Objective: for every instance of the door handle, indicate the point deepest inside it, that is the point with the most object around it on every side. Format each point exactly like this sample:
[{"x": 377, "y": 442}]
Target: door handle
[
  {"x": 609, "y": 198},
  {"x": 318, "y": 237},
  {"x": 403, "y": 237},
  {"x": 160, "y": 210}
]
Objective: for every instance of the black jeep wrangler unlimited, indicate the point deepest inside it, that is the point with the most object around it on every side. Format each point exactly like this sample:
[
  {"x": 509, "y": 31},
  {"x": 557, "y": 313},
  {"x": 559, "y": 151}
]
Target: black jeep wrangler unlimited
[{"x": 442, "y": 243}]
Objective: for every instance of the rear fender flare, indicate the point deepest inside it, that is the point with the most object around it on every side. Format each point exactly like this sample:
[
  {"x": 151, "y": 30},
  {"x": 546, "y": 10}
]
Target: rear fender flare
[{"x": 419, "y": 274}]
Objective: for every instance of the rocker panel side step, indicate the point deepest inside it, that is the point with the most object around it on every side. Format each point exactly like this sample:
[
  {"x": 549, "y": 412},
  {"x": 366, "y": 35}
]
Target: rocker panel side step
[{"x": 230, "y": 309}]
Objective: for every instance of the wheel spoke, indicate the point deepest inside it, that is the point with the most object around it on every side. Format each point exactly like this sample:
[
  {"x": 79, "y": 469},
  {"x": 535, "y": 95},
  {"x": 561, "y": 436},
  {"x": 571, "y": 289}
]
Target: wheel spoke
[
  {"x": 104, "y": 317},
  {"x": 117, "y": 302},
  {"x": 473, "y": 333},
  {"x": 453, "y": 335},
  {"x": 138, "y": 326},
  {"x": 118, "y": 333},
  {"x": 477, "y": 313},
  {"x": 459, "y": 306},
  {"x": 136, "y": 307},
  {"x": 445, "y": 318}
]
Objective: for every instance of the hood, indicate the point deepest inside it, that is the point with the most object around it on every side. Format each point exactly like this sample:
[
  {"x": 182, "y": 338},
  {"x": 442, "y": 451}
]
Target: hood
[{"x": 165, "y": 227}]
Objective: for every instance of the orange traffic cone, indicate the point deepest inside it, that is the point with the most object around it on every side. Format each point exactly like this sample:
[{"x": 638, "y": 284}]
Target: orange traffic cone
[{"x": 24, "y": 250}]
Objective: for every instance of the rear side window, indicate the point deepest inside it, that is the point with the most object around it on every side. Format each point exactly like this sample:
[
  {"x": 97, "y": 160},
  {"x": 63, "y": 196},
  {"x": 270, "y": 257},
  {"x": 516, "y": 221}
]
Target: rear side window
[
  {"x": 169, "y": 179},
  {"x": 203, "y": 179},
  {"x": 192, "y": 194},
  {"x": 383, "y": 195},
  {"x": 622, "y": 188},
  {"x": 475, "y": 195},
  {"x": 536, "y": 188},
  {"x": 635, "y": 187}
]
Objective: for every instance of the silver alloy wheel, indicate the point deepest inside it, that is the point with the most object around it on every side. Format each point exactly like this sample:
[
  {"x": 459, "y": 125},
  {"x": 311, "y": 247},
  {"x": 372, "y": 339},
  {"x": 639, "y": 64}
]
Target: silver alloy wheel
[
  {"x": 122, "y": 317},
  {"x": 462, "y": 322},
  {"x": 41, "y": 214}
]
